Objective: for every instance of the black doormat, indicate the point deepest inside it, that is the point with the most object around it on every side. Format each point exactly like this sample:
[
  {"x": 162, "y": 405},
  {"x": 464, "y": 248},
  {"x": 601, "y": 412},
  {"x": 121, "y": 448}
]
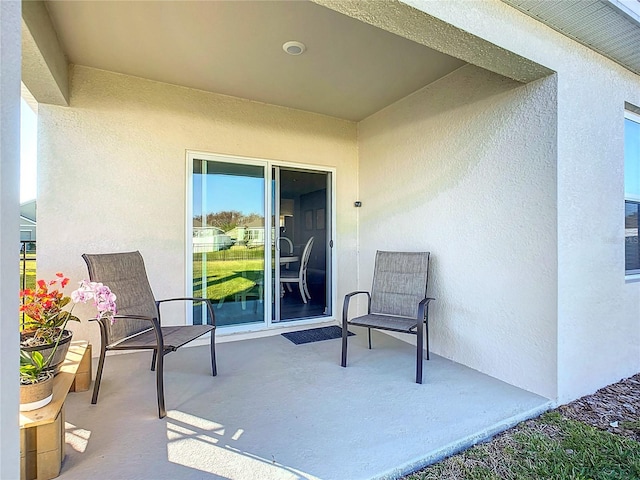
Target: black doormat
[{"x": 315, "y": 334}]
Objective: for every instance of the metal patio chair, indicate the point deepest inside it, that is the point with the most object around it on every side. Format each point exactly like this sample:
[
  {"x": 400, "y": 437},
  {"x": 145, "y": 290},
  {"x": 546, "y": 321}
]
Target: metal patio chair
[
  {"x": 137, "y": 325},
  {"x": 398, "y": 300}
]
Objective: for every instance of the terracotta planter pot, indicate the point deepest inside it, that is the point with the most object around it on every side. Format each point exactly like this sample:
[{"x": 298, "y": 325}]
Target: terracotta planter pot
[
  {"x": 36, "y": 395},
  {"x": 61, "y": 352}
]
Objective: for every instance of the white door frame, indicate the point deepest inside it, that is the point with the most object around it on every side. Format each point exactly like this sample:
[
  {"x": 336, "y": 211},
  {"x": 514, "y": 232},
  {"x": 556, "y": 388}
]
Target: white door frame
[{"x": 268, "y": 165}]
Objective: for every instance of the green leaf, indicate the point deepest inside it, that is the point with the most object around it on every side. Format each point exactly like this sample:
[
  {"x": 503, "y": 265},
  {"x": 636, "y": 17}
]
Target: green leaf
[
  {"x": 38, "y": 359},
  {"x": 31, "y": 364}
]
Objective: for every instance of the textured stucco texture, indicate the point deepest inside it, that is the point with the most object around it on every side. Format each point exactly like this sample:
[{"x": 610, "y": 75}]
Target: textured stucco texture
[
  {"x": 598, "y": 333},
  {"x": 45, "y": 70},
  {"x": 477, "y": 188},
  {"x": 112, "y": 171},
  {"x": 516, "y": 188}
]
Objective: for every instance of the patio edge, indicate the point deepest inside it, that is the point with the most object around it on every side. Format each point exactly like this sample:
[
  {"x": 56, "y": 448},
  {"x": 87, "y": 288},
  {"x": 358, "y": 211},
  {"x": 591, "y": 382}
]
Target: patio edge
[{"x": 455, "y": 447}]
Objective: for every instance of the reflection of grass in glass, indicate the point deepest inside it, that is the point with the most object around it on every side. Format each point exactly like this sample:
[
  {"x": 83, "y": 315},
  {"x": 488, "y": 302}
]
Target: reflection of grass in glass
[{"x": 228, "y": 272}]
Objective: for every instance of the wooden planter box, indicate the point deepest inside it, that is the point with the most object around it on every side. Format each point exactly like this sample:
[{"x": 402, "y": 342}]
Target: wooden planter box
[{"x": 42, "y": 431}]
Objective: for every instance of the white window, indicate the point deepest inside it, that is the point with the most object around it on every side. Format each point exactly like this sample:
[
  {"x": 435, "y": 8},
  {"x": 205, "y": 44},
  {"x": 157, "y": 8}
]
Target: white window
[{"x": 631, "y": 191}]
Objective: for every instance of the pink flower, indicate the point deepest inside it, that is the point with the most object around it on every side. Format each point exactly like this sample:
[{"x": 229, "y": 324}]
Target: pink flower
[
  {"x": 79, "y": 296},
  {"x": 103, "y": 299}
]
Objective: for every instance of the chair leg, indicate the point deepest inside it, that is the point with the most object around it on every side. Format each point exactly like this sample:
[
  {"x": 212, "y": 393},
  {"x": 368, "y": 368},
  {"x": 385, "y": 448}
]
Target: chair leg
[
  {"x": 214, "y": 369},
  {"x": 419, "y": 355},
  {"x": 426, "y": 332},
  {"x": 153, "y": 361},
  {"x": 369, "y": 338},
  {"x": 96, "y": 385},
  {"x": 162, "y": 412},
  {"x": 344, "y": 344}
]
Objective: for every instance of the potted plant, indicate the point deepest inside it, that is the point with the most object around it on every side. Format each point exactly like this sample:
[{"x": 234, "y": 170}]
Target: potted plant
[
  {"x": 45, "y": 320},
  {"x": 36, "y": 382},
  {"x": 46, "y": 336}
]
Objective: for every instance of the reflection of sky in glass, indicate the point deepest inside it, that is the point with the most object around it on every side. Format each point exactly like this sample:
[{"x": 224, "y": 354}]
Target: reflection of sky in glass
[
  {"x": 229, "y": 193},
  {"x": 631, "y": 158}
]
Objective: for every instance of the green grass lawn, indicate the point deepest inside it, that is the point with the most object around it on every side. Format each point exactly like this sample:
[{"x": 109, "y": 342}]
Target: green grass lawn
[
  {"x": 29, "y": 274},
  {"x": 549, "y": 447},
  {"x": 229, "y": 272}
]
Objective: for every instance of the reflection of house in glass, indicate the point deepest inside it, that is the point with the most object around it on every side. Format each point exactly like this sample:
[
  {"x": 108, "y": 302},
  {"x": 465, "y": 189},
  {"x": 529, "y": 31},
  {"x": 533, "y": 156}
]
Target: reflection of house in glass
[
  {"x": 251, "y": 234},
  {"x": 210, "y": 239}
]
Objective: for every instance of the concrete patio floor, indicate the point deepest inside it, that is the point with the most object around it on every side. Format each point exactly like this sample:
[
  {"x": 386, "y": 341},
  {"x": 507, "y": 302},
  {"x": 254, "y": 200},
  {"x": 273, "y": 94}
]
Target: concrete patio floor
[{"x": 282, "y": 411}]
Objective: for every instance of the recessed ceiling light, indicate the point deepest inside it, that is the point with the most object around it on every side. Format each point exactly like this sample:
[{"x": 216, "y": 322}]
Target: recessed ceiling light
[{"x": 294, "y": 48}]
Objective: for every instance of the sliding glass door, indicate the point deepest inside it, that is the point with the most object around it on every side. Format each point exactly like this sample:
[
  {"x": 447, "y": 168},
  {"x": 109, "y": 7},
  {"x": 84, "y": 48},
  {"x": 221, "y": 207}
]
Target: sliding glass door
[
  {"x": 228, "y": 240},
  {"x": 257, "y": 272},
  {"x": 302, "y": 252}
]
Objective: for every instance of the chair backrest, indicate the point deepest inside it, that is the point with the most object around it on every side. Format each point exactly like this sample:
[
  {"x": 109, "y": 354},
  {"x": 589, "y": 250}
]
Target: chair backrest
[
  {"x": 399, "y": 282},
  {"x": 125, "y": 275},
  {"x": 306, "y": 253}
]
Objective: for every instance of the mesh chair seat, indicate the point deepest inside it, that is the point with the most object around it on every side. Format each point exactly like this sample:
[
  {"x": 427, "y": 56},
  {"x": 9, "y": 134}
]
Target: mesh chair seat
[
  {"x": 386, "y": 322},
  {"x": 174, "y": 338}
]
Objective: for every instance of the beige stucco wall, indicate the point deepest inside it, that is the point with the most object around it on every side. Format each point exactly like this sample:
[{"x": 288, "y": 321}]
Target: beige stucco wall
[
  {"x": 45, "y": 70},
  {"x": 598, "y": 332},
  {"x": 598, "y": 314},
  {"x": 112, "y": 170},
  {"x": 122, "y": 142},
  {"x": 465, "y": 168}
]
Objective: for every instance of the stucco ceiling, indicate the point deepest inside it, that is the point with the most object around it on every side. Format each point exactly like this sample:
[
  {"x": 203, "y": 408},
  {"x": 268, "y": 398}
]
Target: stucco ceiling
[{"x": 350, "y": 69}]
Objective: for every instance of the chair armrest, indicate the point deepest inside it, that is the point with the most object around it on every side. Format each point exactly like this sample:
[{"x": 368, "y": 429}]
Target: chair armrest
[
  {"x": 212, "y": 316},
  {"x": 155, "y": 324},
  {"x": 423, "y": 308},
  {"x": 347, "y": 299}
]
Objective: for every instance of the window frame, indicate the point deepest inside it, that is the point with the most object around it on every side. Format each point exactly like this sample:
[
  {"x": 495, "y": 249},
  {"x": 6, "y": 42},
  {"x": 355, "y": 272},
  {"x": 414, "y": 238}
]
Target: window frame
[{"x": 635, "y": 273}]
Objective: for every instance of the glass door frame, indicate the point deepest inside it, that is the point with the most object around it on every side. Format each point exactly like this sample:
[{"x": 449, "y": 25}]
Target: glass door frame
[
  {"x": 274, "y": 232},
  {"x": 219, "y": 158},
  {"x": 269, "y": 284}
]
